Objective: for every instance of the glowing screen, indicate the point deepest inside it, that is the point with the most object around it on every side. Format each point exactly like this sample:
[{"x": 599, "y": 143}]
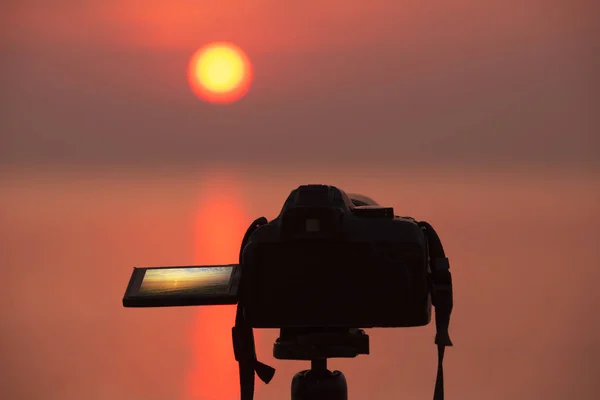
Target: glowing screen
[{"x": 200, "y": 281}]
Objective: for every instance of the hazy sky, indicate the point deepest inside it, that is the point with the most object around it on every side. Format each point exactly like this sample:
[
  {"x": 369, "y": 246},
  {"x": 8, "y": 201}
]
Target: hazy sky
[{"x": 385, "y": 82}]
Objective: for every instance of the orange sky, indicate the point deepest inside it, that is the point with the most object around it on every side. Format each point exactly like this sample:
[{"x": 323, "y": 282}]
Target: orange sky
[
  {"x": 474, "y": 84},
  {"x": 270, "y": 26}
]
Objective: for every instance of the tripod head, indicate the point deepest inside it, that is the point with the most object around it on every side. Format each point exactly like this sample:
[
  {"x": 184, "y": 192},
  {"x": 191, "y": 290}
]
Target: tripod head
[{"x": 317, "y": 345}]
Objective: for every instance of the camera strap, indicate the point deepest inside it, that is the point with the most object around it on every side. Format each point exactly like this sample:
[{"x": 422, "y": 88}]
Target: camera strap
[
  {"x": 242, "y": 334},
  {"x": 442, "y": 300}
]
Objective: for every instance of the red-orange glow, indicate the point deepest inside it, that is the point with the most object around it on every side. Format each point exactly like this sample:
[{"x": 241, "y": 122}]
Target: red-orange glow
[
  {"x": 220, "y": 73},
  {"x": 220, "y": 225}
]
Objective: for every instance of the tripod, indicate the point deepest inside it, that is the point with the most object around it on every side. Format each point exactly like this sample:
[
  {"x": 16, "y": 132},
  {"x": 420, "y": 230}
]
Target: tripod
[
  {"x": 319, "y": 383},
  {"x": 317, "y": 345}
]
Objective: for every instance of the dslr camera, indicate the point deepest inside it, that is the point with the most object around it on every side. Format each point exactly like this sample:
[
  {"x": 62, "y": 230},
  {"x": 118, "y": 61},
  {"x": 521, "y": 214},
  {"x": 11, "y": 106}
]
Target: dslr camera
[{"x": 328, "y": 266}]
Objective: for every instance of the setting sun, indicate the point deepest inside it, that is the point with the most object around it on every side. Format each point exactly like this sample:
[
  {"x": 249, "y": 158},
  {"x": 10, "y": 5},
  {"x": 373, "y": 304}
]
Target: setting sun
[{"x": 220, "y": 73}]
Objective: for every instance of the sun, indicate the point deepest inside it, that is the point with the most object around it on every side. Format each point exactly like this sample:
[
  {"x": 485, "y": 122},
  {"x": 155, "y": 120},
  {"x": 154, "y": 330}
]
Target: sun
[{"x": 220, "y": 73}]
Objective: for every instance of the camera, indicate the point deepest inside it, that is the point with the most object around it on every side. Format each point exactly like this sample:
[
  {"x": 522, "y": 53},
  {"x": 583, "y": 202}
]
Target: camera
[
  {"x": 328, "y": 266},
  {"x": 333, "y": 261}
]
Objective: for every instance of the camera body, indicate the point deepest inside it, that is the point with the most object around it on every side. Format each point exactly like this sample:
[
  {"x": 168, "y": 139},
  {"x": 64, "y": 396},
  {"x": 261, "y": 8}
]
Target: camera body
[
  {"x": 333, "y": 260},
  {"x": 327, "y": 266}
]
